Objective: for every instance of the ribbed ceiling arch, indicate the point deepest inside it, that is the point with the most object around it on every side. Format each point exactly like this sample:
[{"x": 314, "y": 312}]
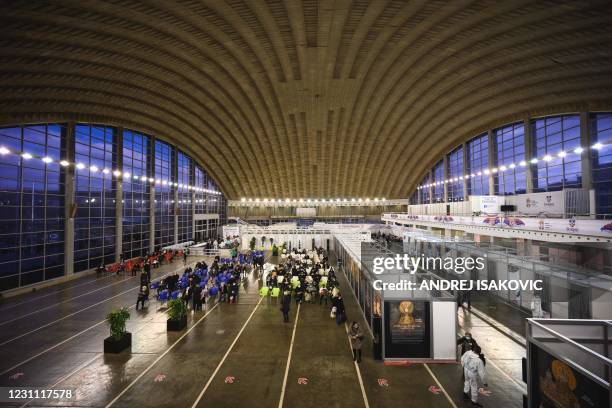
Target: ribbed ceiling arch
[{"x": 305, "y": 98}]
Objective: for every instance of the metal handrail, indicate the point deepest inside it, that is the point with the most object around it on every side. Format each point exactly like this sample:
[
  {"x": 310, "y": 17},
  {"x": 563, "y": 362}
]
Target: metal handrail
[{"x": 587, "y": 350}]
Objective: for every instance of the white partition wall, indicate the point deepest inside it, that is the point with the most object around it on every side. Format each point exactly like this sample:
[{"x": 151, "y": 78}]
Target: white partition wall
[{"x": 444, "y": 330}]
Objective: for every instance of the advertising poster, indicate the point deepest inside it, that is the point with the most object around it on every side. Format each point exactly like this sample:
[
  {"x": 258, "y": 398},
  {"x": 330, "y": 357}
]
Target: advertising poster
[
  {"x": 407, "y": 329},
  {"x": 557, "y": 385}
]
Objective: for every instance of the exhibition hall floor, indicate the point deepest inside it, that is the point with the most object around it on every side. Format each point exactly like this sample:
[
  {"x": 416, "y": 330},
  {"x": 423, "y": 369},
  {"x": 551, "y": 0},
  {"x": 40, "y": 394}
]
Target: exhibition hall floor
[{"x": 230, "y": 355}]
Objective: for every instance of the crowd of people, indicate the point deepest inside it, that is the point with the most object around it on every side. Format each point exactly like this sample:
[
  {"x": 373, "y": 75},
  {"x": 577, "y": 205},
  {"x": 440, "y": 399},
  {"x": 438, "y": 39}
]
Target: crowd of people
[{"x": 307, "y": 277}]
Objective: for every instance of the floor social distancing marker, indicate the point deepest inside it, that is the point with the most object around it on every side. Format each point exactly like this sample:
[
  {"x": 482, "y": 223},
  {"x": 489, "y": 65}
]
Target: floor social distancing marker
[
  {"x": 229, "y": 350},
  {"x": 282, "y": 395},
  {"x": 363, "y": 392},
  {"x": 130, "y": 385},
  {"x": 440, "y": 386}
]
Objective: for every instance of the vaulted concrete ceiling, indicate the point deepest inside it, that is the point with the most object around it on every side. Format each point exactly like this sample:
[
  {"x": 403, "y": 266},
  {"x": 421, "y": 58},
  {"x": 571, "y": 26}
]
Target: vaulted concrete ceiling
[{"x": 305, "y": 98}]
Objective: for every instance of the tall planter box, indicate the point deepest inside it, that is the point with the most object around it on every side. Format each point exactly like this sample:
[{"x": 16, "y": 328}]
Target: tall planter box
[
  {"x": 177, "y": 325},
  {"x": 117, "y": 346}
]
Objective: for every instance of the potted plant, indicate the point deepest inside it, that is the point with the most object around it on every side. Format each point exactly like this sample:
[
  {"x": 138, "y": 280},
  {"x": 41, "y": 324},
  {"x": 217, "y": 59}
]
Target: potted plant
[
  {"x": 119, "y": 339},
  {"x": 274, "y": 250},
  {"x": 253, "y": 243},
  {"x": 177, "y": 315},
  {"x": 263, "y": 242}
]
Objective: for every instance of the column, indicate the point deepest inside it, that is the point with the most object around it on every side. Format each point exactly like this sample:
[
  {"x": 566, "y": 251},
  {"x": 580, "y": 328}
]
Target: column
[
  {"x": 193, "y": 213},
  {"x": 529, "y": 154},
  {"x": 119, "y": 195},
  {"x": 69, "y": 201},
  {"x": 151, "y": 174},
  {"x": 445, "y": 176},
  {"x": 586, "y": 156},
  {"x": 466, "y": 170},
  {"x": 431, "y": 200},
  {"x": 491, "y": 162},
  {"x": 175, "y": 195}
]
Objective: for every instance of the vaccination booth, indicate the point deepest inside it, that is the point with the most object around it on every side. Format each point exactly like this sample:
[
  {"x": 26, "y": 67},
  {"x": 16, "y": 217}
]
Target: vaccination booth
[
  {"x": 568, "y": 363},
  {"x": 406, "y": 325}
]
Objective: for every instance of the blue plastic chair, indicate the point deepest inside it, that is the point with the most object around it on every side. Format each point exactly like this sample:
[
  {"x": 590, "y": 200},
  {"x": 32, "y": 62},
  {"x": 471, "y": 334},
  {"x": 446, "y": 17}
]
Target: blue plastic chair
[
  {"x": 162, "y": 297},
  {"x": 154, "y": 285},
  {"x": 175, "y": 294}
]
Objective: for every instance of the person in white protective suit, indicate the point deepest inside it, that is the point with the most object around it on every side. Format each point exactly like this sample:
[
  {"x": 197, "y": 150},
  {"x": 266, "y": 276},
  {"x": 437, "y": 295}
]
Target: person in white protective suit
[{"x": 474, "y": 371}]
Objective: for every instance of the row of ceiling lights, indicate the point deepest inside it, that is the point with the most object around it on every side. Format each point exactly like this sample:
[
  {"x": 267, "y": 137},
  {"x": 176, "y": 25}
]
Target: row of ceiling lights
[
  {"x": 117, "y": 173},
  {"x": 310, "y": 201},
  {"x": 523, "y": 163}
]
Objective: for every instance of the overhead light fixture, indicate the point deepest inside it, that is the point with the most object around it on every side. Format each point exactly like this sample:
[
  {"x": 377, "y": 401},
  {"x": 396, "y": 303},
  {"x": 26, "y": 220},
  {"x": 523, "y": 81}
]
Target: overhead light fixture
[
  {"x": 4, "y": 150},
  {"x": 64, "y": 163},
  {"x": 562, "y": 154},
  {"x": 243, "y": 199},
  {"x": 512, "y": 165},
  {"x": 523, "y": 163},
  {"x": 93, "y": 169},
  {"x": 47, "y": 160},
  {"x": 116, "y": 173},
  {"x": 597, "y": 146},
  {"x": 26, "y": 156},
  {"x": 547, "y": 158},
  {"x": 80, "y": 166},
  {"x": 534, "y": 160},
  {"x": 578, "y": 150},
  {"x": 105, "y": 171}
]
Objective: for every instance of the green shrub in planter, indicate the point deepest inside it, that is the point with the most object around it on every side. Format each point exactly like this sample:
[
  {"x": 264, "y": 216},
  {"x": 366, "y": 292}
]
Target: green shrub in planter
[
  {"x": 177, "y": 315},
  {"x": 274, "y": 250},
  {"x": 119, "y": 338},
  {"x": 252, "y": 243}
]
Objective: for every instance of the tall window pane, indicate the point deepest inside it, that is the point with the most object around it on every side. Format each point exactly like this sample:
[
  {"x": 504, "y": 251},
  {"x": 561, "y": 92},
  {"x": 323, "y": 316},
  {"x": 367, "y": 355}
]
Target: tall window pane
[
  {"x": 94, "y": 234},
  {"x": 553, "y": 135},
  {"x": 136, "y": 214},
  {"x": 478, "y": 160},
  {"x": 601, "y": 132},
  {"x": 438, "y": 179},
  {"x": 185, "y": 179},
  {"x": 31, "y": 205},
  {"x": 164, "y": 194},
  {"x": 455, "y": 171},
  {"x": 509, "y": 151}
]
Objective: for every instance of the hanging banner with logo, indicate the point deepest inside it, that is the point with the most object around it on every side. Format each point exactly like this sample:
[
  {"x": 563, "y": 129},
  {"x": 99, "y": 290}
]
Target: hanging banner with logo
[
  {"x": 551, "y": 203},
  {"x": 602, "y": 228}
]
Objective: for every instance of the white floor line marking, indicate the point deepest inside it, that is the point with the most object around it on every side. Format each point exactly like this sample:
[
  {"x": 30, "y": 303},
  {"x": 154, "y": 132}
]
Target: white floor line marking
[
  {"x": 130, "y": 385},
  {"x": 66, "y": 317},
  {"x": 81, "y": 310},
  {"x": 64, "y": 301},
  {"x": 282, "y": 396},
  {"x": 14, "y": 305},
  {"x": 68, "y": 339},
  {"x": 363, "y": 392},
  {"x": 440, "y": 385},
  {"x": 229, "y": 350},
  {"x": 73, "y": 372}
]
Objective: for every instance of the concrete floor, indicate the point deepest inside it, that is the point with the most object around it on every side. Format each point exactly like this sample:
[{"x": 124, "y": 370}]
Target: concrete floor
[{"x": 231, "y": 355}]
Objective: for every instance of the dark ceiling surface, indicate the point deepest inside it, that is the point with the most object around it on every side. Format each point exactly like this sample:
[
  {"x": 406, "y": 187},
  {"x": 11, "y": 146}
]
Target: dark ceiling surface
[{"x": 285, "y": 99}]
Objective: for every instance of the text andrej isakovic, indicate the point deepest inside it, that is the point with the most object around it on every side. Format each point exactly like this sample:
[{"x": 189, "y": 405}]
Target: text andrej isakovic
[{"x": 458, "y": 264}]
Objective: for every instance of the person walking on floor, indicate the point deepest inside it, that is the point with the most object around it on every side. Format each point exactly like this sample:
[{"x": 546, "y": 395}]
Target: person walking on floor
[
  {"x": 143, "y": 295},
  {"x": 340, "y": 316},
  {"x": 474, "y": 374},
  {"x": 285, "y": 305},
  {"x": 356, "y": 336}
]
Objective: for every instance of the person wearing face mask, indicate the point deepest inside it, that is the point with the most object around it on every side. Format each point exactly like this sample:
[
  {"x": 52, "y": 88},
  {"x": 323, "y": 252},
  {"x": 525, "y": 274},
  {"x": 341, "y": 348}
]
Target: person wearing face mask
[
  {"x": 474, "y": 375},
  {"x": 465, "y": 341}
]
